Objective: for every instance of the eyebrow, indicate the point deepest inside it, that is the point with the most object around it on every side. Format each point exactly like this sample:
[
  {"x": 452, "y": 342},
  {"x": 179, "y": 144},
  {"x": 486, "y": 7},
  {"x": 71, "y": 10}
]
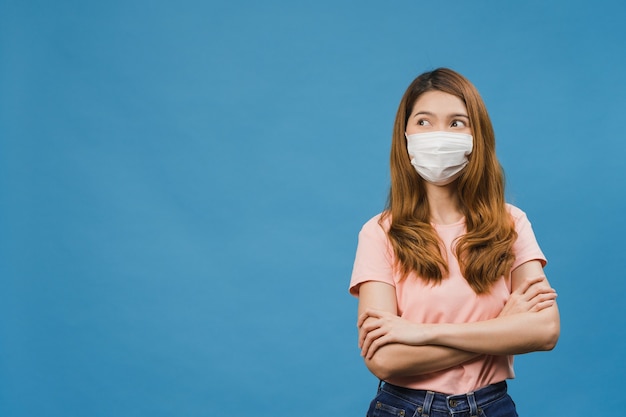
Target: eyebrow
[{"x": 427, "y": 113}]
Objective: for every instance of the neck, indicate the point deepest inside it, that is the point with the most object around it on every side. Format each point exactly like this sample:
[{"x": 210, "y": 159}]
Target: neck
[{"x": 443, "y": 202}]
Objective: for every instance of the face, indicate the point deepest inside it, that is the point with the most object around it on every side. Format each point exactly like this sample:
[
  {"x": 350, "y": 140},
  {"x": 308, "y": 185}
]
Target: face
[{"x": 438, "y": 111}]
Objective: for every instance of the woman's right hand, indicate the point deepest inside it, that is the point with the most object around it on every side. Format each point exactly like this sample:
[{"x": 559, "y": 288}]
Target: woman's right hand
[{"x": 533, "y": 295}]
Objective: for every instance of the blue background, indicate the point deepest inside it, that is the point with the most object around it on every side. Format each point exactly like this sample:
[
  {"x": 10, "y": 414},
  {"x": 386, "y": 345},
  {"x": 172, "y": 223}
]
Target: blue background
[{"x": 182, "y": 184}]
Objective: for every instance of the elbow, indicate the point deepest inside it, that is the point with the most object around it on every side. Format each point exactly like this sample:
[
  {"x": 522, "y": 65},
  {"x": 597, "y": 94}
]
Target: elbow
[
  {"x": 552, "y": 337},
  {"x": 547, "y": 329},
  {"x": 551, "y": 333},
  {"x": 379, "y": 367}
]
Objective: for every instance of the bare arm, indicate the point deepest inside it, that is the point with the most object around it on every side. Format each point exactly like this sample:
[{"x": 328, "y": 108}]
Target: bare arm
[
  {"x": 397, "y": 359},
  {"x": 528, "y": 322},
  {"x": 508, "y": 334}
]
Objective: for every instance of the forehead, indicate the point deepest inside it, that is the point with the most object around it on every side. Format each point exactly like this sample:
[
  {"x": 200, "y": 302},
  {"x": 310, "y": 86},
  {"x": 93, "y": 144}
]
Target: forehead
[{"x": 438, "y": 102}]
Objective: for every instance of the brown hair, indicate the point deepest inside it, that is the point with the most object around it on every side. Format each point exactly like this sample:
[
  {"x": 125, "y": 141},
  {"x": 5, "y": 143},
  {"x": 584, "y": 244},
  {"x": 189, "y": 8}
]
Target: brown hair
[{"x": 485, "y": 251}]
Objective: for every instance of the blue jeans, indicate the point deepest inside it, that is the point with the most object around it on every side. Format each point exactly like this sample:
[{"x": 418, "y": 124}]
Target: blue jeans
[{"x": 490, "y": 401}]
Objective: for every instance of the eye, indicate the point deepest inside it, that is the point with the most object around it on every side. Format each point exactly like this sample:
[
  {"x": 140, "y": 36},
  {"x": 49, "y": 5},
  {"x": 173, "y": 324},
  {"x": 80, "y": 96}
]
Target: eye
[
  {"x": 423, "y": 122},
  {"x": 458, "y": 123}
]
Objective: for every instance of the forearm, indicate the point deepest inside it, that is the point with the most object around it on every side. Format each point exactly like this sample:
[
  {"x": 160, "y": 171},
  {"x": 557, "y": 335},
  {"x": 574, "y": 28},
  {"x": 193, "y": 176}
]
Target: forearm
[
  {"x": 507, "y": 335},
  {"x": 399, "y": 360}
]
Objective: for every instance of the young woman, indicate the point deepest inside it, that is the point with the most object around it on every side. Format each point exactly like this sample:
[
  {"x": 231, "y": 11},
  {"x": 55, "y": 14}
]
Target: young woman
[{"x": 449, "y": 277}]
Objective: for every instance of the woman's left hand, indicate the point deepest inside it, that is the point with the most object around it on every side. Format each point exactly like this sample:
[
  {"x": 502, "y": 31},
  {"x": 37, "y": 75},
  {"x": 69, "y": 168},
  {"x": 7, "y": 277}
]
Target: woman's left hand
[{"x": 378, "y": 328}]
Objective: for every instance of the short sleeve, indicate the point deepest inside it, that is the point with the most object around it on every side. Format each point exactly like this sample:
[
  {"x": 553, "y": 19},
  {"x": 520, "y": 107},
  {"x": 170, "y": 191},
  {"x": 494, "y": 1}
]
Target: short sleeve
[
  {"x": 525, "y": 247},
  {"x": 374, "y": 256}
]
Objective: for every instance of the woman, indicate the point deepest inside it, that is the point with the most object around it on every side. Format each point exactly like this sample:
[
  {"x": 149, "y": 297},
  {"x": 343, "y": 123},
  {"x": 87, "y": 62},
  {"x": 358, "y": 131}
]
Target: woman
[{"x": 449, "y": 277}]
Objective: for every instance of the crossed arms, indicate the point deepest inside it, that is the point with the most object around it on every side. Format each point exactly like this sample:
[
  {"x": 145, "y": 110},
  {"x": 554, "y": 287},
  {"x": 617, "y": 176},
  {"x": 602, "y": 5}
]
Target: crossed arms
[{"x": 395, "y": 347}]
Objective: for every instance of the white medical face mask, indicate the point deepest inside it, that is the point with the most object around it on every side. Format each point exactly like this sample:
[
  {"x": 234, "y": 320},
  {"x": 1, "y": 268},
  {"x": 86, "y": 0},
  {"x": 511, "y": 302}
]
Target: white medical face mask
[{"x": 439, "y": 157}]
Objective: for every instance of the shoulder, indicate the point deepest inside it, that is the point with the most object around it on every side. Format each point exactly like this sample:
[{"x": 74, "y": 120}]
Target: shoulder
[
  {"x": 378, "y": 224},
  {"x": 515, "y": 212},
  {"x": 375, "y": 230},
  {"x": 519, "y": 216},
  {"x": 525, "y": 247}
]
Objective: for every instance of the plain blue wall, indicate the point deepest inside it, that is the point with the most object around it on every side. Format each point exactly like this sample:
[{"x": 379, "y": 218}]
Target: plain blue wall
[{"x": 182, "y": 184}]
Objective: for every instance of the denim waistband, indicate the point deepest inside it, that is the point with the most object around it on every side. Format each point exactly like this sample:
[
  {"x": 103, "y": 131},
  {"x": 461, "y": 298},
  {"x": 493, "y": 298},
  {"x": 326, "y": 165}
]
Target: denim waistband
[{"x": 429, "y": 400}]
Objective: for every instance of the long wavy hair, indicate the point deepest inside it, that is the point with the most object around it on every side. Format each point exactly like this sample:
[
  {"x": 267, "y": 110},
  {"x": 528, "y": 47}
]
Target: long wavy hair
[{"x": 485, "y": 251}]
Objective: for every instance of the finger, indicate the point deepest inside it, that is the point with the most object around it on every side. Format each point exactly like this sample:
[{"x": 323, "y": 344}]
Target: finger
[
  {"x": 528, "y": 283},
  {"x": 371, "y": 323},
  {"x": 367, "y": 314},
  {"x": 538, "y": 290},
  {"x": 543, "y": 305},
  {"x": 369, "y": 339},
  {"x": 547, "y": 292},
  {"x": 362, "y": 334},
  {"x": 368, "y": 327},
  {"x": 524, "y": 286},
  {"x": 375, "y": 345},
  {"x": 362, "y": 319},
  {"x": 541, "y": 293},
  {"x": 543, "y": 298}
]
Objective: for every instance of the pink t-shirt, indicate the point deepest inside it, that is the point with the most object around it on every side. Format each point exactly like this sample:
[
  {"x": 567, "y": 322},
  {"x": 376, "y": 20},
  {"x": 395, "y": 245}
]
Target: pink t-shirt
[{"x": 452, "y": 301}]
